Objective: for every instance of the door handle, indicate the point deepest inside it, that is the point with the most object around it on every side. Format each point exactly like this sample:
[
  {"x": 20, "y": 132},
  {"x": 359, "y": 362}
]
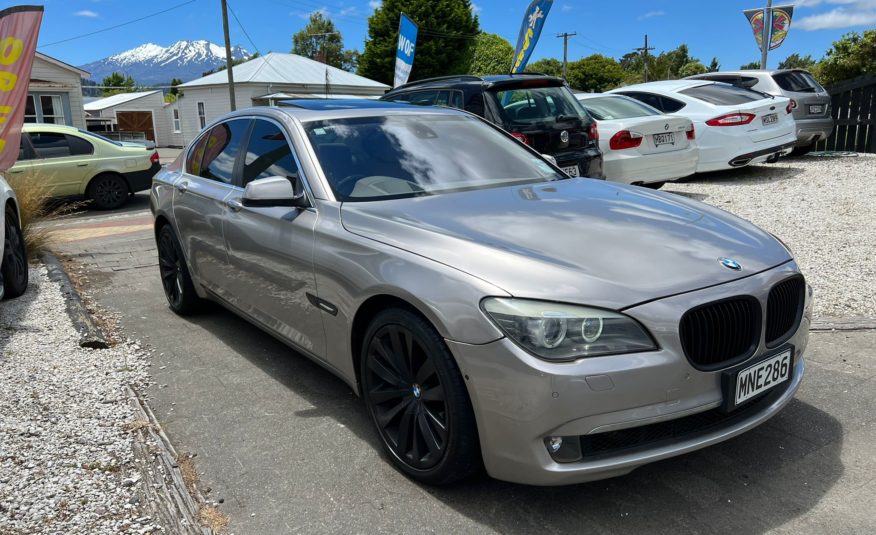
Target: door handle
[
  {"x": 182, "y": 187},
  {"x": 81, "y": 164},
  {"x": 15, "y": 171},
  {"x": 234, "y": 205}
]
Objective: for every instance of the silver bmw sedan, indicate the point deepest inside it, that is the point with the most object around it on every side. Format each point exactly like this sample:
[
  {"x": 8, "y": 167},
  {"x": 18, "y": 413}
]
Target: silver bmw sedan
[{"x": 490, "y": 311}]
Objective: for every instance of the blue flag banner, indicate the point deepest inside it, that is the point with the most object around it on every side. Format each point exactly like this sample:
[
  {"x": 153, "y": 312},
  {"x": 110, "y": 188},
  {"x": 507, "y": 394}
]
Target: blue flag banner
[
  {"x": 530, "y": 29},
  {"x": 404, "y": 56}
]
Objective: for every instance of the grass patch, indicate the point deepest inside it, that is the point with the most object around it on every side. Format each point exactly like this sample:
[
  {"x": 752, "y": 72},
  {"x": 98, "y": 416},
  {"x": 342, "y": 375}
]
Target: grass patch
[
  {"x": 36, "y": 206},
  {"x": 213, "y": 518}
]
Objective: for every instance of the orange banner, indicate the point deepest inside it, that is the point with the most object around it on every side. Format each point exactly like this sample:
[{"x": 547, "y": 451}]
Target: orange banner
[{"x": 19, "y": 30}]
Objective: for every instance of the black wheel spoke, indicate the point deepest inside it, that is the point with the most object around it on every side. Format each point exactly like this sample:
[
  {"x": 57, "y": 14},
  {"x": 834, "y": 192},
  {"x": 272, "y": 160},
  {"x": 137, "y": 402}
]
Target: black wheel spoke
[
  {"x": 388, "y": 416},
  {"x": 382, "y": 396},
  {"x": 426, "y": 371},
  {"x": 405, "y": 430},
  {"x": 437, "y": 424},
  {"x": 383, "y": 372},
  {"x": 428, "y": 434},
  {"x": 433, "y": 394}
]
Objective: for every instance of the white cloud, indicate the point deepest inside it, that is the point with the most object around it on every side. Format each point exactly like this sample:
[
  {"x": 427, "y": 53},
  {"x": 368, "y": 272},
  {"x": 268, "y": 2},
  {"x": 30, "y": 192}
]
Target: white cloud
[
  {"x": 813, "y": 3},
  {"x": 566, "y": 8},
  {"x": 347, "y": 11},
  {"x": 652, "y": 14},
  {"x": 374, "y": 4},
  {"x": 324, "y": 11},
  {"x": 836, "y": 18},
  {"x": 476, "y": 9},
  {"x": 85, "y": 13}
]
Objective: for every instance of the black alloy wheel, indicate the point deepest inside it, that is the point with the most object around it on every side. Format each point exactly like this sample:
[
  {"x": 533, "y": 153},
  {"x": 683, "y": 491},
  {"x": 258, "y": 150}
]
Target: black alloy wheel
[
  {"x": 417, "y": 399},
  {"x": 14, "y": 262},
  {"x": 108, "y": 192},
  {"x": 175, "y": 278}
]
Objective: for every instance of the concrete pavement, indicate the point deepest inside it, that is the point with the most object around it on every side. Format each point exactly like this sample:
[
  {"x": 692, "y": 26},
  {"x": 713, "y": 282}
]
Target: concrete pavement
[{"x": 287, "y": 447}]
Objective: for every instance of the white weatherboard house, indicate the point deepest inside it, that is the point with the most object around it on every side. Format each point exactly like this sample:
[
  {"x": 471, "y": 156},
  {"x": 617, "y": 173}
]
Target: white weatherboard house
[
  {"x": 143, "y": 111},
  {"x": 54, "y": 93},
  {"x": 264, "y": 81}
]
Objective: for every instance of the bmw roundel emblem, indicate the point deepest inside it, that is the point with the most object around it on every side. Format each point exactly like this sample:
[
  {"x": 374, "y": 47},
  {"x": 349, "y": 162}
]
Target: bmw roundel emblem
[
  {"x": 666, "y": 126},
  {"x": 564, "y": 136},
  {"x": 729, "y": 263}
]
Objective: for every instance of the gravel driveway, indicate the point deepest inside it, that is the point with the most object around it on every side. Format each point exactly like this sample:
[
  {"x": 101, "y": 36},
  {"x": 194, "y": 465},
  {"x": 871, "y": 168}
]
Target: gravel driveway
[
  {"x": 66, "y": 462},
  {"x": 823, "y": 208}
]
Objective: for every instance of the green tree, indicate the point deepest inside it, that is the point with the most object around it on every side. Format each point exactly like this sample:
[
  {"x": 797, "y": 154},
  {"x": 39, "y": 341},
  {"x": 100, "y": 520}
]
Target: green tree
[
  {"x": 549, "y": 66},
  {"x": 350, "y": 60},
  {"x": 174, "y": 93},
  {"x": 754, "y": 65},
  {"x": 492, "y": 55},
  {"x": 447, "y": 31},
  {"x": 117, "y": 83},
  {"x": 668, "y": 65},
  {"x": 320, "y": 40},
  {"x": 691, "y": 68},
  {"x": 595, "y": 73},
  {"x": 796, "y": 61},
  {"x": 852, "y": 56},
  {"x": 714, "y": 66}
]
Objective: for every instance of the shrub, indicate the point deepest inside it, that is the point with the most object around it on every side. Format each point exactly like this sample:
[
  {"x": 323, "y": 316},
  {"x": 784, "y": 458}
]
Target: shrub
[{"x": 36, "y": 207}]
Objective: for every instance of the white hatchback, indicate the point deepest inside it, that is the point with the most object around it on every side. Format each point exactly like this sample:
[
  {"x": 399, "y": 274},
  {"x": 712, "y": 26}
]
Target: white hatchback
[
  {"x": 735, "y": 126},
  {"x": 640, "y": 144},
  {"x": 13, "y": 258}
]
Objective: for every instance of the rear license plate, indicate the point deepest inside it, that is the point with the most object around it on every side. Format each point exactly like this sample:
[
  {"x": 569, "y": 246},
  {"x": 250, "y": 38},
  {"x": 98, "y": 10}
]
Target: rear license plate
[
  {"x": 816, "y": 108},
  {"x": 758, "y": 378},
  {"x": 664, "y": 139},
  {"x": 771, "y": 118},
  {"x": 571, "y": 171}
]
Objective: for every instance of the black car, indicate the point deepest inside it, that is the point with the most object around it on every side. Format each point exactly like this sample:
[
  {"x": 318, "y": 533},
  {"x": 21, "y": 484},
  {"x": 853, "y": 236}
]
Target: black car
[{"x": 538, "y": 110}]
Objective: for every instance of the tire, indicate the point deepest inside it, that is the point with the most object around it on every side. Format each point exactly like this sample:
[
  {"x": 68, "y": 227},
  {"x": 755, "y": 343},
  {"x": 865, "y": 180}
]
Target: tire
[
  {"x": 418, "y": 400},
  {"x": 108, "y": 191},
  {"x": 803, "y": 150},
  {"x": 14, "y": 263},
  {"x": 175, "y": 278}
]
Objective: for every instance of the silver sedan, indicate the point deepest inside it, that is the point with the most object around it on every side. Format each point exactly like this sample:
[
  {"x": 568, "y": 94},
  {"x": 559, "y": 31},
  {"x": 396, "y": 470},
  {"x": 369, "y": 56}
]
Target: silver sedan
[{"x": 490, "y": 311}]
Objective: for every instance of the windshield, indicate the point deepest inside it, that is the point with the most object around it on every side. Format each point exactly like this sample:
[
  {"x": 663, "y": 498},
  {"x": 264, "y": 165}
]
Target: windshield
[
  {"x": 393, "y": 156},
  {"x": 797, "y": 81},
  {"x": 98, "y": 136},
  {"x": 533, "y": 105},
  {"x": 608, "y": 108}
]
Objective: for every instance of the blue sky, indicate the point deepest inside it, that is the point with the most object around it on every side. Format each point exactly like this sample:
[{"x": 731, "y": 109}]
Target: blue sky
[{"x": 713, "y": 28}]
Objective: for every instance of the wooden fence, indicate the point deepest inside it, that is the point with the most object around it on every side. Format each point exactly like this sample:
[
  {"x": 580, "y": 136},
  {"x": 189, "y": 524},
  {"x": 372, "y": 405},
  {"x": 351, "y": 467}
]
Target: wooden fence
[{"x": 854, "y": 110}]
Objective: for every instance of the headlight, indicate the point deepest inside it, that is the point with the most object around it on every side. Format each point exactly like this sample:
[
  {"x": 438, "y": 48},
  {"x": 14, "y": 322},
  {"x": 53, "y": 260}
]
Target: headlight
[{"x": 556, "y": 331}]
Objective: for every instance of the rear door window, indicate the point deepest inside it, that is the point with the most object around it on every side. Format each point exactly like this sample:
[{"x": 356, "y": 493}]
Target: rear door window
[
  {"x": 424, "y": 98},
  {"x": 723, "y": 94},
  {"x": 268, "y": 154},
  {"x": 50, "y": 144},
  {"x": 797, "y": 81},
  {"x": 220, "y": 152},
  {"x": 662, "y": 103}
]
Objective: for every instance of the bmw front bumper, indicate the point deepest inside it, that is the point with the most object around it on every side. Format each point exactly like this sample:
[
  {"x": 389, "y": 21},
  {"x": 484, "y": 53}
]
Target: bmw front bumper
[{"x": 520, "y": 400}]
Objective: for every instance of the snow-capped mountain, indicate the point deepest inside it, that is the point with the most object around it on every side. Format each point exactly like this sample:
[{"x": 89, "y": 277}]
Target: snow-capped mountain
[{"x": 155, "y": 64}]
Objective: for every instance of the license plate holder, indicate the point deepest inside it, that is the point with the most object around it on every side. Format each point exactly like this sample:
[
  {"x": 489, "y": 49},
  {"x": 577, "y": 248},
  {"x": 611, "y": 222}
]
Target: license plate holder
[
  {"x": 572, "y": 170},
  {"x": 770, "y": 118},
  {"x": 667, "y": 138},
  {"x": 816, "y": 109},
  {"x": 742, "y": 383}
]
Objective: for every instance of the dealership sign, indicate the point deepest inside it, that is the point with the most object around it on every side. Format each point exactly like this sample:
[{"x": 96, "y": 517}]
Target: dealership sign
[
  {"x": 780, "y": 24},
  {"x": 404, "y": 56},
  {"x": 530, "y": 30}
]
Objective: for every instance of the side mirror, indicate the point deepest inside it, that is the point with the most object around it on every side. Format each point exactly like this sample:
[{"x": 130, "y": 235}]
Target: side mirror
[
  {"x": 273, "y": 191},
  {"x": 549, "y": 158}
]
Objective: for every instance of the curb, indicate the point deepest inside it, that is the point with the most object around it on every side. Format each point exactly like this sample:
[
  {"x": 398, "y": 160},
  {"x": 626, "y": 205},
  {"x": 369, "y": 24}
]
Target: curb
[
  {"x": 90, "y": 334},
  {"x": 843, "y": 324}
]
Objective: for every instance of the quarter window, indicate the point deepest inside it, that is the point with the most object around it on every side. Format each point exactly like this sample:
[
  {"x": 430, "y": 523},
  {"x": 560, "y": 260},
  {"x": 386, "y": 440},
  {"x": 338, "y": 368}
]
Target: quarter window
[
  {"x": 202, "y": 115},
  {"x": 268, "y": 154},
  {"x": 220, "y": 151},
  {"x": 79, "y": 146}
]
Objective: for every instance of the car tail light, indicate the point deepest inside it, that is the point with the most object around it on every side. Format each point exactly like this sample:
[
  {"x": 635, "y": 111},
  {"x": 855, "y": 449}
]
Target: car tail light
[
  {"x": 154, "y": 157},
  {"x": 521, "y": 137},
  {"x": 593, "y": 132},
  {"x": 625, "y": 140},
  {"x": 791, "y": 106},
  {"x": 731, "y": 119},
  {"x": 691, "y": 132}
]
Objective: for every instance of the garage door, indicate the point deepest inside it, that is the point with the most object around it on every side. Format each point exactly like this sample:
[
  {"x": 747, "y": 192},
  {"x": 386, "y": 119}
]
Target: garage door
[{"x": 136, "y": 121}]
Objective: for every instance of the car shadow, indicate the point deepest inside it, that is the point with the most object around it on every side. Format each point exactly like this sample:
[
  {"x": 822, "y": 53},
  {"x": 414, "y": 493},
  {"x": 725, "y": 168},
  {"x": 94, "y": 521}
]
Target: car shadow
[
  {"x": 750, "y": 175},
  {"x": 753, "y": 483},
  {"x": 72, "y": 209}
]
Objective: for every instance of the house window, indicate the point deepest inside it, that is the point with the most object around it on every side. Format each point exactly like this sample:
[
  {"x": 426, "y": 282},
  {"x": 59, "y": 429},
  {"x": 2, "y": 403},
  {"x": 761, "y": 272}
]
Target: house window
[
  {"x": 202, "y": 115},
  {"x": 53, "y": 109},
  {"x": 177, "y": 127},
  {"x": 30, "y": 115}
]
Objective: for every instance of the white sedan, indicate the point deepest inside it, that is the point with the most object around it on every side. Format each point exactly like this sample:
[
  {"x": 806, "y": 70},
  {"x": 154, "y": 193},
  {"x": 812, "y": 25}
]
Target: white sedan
[
  {"x": 735, "y": 126},
  {"x": 640, "y": 144},
  {"x": 13, "y": 266}
]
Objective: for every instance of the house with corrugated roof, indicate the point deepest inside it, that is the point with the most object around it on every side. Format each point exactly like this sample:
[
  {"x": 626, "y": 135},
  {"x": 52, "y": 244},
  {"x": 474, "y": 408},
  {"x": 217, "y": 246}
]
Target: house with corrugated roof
[
  {"x": 54, "y": 93},
  {"x": 264, "y": 81},
  {"x": 134, "y": 116}
]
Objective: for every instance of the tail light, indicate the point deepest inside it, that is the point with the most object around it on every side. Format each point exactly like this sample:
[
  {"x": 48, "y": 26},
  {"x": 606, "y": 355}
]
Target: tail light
[
  {"x": 154, "y": 157},
  {"x": 625, "y": 140},
  {"x": 521, "y": 137},
  {"x": 791, "y": 106},
  {"x": 731, "y": 119},
  {"x": 593, "y": 132},
  {"x": 691, "y": 132}
]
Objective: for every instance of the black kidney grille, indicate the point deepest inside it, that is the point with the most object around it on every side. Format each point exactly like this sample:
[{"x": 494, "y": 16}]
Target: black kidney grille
[
  {"x": 719, "y": 334},
  {"x": 784, "y": 309}
]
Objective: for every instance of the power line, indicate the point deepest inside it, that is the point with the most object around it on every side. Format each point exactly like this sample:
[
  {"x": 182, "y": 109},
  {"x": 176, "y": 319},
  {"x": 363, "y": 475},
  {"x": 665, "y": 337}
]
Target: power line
[
  {"x": 118, "y": 25},
  {"x": 248, "y": 38}
]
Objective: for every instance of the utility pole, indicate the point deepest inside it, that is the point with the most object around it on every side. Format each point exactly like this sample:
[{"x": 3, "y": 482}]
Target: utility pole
[
  {"x": 644, "y": 50},
  {"x": 765, "y": 36},
  {"x": 228, "y": 59},
  {"x": 565, "y": 36}
]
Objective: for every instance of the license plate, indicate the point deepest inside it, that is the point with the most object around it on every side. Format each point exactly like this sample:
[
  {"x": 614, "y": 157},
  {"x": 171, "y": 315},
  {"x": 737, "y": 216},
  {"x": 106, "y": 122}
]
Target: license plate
[
  {"x": 571, "y": 171},
  {"x": 771, "y": 118},
  {"x": 816, "y": 108},
  {"x": 664, "y": 139},
  {"x": 762, "y": 376}
]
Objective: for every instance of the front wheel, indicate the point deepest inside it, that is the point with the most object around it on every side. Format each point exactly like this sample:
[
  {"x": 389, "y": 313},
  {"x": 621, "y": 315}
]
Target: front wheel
[
  {"x": 108, "y": 192},
  {"x": 802, "y": 150},
  {"x": 175, "y": 278},
  {"x": 14, "y": 263},
  {"x": 417, "y": 399}
]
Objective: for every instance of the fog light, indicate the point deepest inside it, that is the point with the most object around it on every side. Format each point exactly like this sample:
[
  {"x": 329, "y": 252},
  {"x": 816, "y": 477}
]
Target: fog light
[
  {"x": 555, "y": 443},
  {"x": 564, "y": 449}
]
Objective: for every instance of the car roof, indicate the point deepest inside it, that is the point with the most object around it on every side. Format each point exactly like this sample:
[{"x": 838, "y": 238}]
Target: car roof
[
  {"x": 469, "y": 79},
  {"x": 49, "y": 127},
  {"x": 744, "y": 72},
  {"x": 351, "y": 108},
  {"x": 320, "y": 104},
  {"x": 671, "y": 86}
]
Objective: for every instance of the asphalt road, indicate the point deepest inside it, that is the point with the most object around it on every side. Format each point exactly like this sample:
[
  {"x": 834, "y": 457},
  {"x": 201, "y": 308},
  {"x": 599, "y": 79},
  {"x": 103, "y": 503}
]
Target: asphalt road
[{"x": 287, "y": 447}]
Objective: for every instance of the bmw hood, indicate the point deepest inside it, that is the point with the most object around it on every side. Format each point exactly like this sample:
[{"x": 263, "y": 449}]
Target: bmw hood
[{"x": 582, "y": 241}]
